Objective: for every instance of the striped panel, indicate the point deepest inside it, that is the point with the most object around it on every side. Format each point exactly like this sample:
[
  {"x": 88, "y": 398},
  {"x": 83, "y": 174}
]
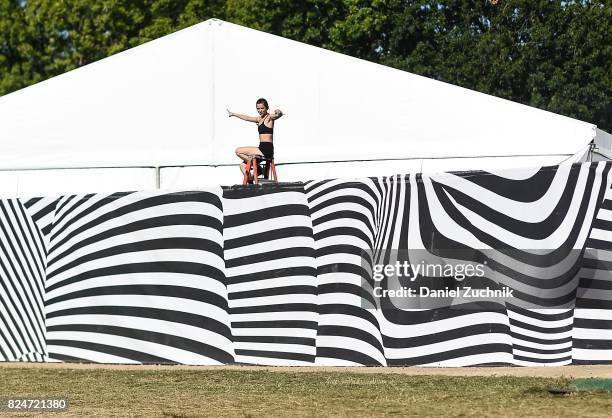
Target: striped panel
[
  {"x": 275, "y": 274},
  {"x": 592, "y": 327},
  {"x": 345, "y": 216},
  {"x": 501, "y": 221},
  {"x": 544, "y": 336},
  {"x": 138, "y": 278},
  {"x": 443, "y": 336},
  {"x": 541, "y": 337},
  {"x": 532, "y": 227},
  {"x": 22, "y": 273},
  {"x": 270, "y": 268},
  {"x": 42, "y": 211}
]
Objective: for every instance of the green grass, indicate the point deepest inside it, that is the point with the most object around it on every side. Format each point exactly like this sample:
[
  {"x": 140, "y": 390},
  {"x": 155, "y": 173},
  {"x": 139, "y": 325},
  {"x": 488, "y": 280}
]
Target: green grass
[{"x": 186, "y": 393}]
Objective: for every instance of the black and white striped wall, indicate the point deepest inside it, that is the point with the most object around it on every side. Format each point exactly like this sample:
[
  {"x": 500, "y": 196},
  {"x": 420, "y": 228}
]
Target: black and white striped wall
[{"x": 275, "y": 275}]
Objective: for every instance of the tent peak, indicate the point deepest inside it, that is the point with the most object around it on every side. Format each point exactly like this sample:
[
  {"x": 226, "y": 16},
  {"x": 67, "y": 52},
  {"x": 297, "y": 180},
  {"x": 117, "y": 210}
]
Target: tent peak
[{"x": 214, "y": 20}]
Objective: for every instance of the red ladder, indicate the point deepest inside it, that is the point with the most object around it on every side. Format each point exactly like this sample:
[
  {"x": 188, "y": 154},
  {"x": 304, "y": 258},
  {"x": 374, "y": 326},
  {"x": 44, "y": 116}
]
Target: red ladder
[{"x": 253, "y": 164}]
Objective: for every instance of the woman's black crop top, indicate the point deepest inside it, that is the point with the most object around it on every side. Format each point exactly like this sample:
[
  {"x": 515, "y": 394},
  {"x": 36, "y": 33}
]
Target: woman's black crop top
[{"x": 263, "y": 129}]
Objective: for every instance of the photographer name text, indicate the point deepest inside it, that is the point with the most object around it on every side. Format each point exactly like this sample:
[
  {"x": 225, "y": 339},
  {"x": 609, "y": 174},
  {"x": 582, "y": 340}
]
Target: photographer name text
[{"x": 459, "y": 292}]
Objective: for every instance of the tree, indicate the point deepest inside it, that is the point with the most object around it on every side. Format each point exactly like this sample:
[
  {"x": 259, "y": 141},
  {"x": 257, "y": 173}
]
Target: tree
[
  {"x": 549, "y": 54},
  {"x": 41, "y": 38}
]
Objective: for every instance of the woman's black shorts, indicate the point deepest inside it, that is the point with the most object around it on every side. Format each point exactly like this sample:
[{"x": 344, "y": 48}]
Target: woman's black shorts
[{"x": 267, "y": 149}]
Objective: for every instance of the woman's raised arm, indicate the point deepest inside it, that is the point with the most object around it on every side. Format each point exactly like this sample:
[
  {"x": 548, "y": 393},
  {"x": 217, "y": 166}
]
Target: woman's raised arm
[
  {"x": 276, "y": 114},
  {"x": 243, "y": 117}
]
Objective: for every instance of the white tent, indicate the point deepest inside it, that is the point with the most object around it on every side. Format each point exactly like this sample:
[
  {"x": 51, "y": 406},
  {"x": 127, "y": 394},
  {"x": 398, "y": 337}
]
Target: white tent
[{"x": 163, "y": 104}]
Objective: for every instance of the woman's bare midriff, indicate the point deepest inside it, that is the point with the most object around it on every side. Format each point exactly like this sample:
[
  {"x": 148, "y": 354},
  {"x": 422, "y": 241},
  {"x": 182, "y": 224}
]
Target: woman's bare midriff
[{"x": 265, "y": 138}]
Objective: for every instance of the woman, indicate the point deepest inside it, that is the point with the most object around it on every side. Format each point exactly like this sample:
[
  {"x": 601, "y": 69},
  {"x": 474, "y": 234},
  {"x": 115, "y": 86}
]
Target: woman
[{"x": 265, "y": 127}]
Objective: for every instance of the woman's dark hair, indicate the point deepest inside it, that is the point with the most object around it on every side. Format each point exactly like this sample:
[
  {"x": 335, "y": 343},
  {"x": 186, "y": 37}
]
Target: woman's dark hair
[{"x": 262, "y": 101}]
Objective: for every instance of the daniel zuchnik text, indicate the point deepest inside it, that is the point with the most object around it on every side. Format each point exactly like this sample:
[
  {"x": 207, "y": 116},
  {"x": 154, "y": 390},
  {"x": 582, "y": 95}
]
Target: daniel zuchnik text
[{"x": 460, "y": 292}]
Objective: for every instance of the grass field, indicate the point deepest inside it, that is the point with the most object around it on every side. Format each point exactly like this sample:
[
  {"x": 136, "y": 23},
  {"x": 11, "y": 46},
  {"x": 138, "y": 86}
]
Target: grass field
[{"x": 185, "y": 393}]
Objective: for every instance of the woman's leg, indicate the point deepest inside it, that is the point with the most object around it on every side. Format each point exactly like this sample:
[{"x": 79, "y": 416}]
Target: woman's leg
[{"x": 246, "y": 154}]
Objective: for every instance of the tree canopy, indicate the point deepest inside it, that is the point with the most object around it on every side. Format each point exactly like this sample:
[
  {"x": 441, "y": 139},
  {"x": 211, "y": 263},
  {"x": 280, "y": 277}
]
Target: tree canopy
[{"x": 555, "y": 55}]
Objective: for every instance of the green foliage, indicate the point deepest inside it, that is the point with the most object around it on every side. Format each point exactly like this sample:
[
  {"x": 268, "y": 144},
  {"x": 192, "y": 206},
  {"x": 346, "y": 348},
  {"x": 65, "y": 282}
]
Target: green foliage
[
  {"x": 555, "y": 55},
  {"x": 549, "y": 54},
  {"x": 42, "y": 38},
  {"x": 353, "y": 27}
]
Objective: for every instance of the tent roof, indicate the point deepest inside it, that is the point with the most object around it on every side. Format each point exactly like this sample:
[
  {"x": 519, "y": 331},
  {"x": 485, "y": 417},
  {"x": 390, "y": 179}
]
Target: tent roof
[{"x": 164, "y": 103}]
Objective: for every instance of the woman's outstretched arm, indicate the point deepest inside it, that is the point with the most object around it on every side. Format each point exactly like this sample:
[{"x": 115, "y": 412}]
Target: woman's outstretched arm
[{"x": 243, "y": 117}]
